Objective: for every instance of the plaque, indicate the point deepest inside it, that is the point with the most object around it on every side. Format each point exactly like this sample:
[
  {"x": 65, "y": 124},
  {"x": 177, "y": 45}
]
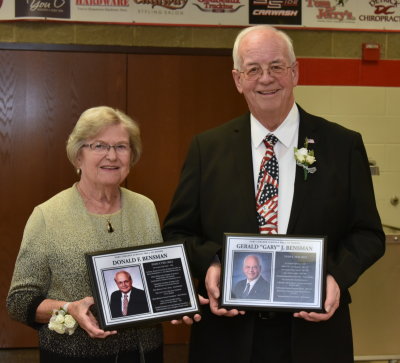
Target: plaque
[
  {"x": 141, "y": 285},
  {"x": 273, "y": 272}
]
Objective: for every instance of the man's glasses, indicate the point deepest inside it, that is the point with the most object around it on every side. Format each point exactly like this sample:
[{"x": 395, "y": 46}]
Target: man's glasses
[
  {"x": 102, "y": 148},
  {"x": 274, "y": 70}
]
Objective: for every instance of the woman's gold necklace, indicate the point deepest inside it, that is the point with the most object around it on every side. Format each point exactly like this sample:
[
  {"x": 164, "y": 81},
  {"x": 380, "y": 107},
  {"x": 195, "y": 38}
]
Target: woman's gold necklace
[{"x": 110, "y": 228}]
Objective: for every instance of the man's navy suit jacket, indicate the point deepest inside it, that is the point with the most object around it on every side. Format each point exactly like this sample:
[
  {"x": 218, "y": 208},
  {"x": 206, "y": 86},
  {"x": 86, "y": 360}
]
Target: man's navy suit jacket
[
  {"x": 260, "y": 290},
  {"x": 137, "y": 303}
]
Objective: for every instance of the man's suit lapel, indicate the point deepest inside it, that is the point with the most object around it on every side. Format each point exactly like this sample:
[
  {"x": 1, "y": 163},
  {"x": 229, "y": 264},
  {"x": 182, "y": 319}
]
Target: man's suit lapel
[
  {"x": 241, "y": 146},
  {"x": 302, "y": 188}
]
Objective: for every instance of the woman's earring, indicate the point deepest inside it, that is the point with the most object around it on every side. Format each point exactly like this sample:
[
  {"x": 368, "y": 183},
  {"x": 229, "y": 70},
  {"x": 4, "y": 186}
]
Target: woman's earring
[{"x": 78, "y": 171}]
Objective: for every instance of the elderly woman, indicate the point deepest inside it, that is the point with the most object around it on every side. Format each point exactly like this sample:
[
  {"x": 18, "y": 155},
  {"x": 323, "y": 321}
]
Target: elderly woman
[{"x": 94, "y": 214}]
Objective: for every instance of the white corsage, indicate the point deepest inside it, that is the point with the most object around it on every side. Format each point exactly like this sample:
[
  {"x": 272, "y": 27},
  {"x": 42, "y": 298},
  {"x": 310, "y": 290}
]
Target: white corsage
[
  {"x": 62, "y": 322},
  {"x": 304, "y": 158}
]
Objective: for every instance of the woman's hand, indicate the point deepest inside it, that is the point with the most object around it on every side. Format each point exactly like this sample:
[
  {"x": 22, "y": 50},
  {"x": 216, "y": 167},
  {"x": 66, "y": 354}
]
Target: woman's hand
[{"x": 80, "y": 311}]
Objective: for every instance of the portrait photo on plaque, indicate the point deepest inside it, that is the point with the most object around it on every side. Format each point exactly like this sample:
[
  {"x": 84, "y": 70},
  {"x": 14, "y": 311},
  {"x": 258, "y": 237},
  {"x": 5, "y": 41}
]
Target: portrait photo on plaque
[
  {"x": 273, "y": 272},
  {"x": 141, "y": 285},
  {"x": 251, "y": 277},
  {"x": 125, "y": 290}
]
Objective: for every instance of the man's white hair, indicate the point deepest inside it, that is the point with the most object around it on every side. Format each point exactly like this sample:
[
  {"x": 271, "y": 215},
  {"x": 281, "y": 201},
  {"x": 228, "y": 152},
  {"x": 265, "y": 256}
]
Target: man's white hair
[
  {"x": 257, "y": 258},
  {"x": 237, "y": 60}
]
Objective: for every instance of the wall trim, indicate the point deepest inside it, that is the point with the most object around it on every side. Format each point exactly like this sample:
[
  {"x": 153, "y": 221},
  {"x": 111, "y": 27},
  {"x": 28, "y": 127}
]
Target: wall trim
[{"x": 114, "y": 49}]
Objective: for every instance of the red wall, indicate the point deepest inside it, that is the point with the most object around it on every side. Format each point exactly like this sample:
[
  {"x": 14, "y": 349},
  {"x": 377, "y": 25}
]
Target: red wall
[{"x": 349, "y": 72}]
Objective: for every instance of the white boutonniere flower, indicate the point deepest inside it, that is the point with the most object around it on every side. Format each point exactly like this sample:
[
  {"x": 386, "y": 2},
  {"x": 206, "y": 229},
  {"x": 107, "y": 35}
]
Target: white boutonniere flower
[
  {"x": 62, "y": 322},
  {"x": 305, "y": 158}
]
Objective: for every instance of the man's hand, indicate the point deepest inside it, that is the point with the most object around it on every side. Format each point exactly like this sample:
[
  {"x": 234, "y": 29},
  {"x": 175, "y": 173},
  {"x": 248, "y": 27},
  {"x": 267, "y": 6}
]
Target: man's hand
[
  {"x": 81, "y": 313},
  {"x": 331, "y": 303},
  {"x": 212, "y": 285},
  {"x": 196, "y": 318}
]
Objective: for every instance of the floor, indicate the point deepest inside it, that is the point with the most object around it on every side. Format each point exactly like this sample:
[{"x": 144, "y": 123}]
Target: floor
[{"x": 173, "y": 353}]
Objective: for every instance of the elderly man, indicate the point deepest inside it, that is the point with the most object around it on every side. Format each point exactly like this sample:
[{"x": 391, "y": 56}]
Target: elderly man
[
  {"x": 244, "y": 177},
  {"x": 127, "y": 300},
  {"x": 254, "y": 286}
]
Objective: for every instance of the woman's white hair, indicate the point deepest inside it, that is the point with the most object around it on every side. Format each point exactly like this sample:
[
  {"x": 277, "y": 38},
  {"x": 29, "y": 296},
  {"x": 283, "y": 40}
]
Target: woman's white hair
[{"x": 95, "y": 119}]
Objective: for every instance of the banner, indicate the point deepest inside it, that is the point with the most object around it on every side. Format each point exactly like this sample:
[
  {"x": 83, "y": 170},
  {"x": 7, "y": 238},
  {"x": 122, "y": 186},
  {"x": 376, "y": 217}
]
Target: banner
[
  {"x": 352, "y": 14},
  {"x": 372, "y": 15}
]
